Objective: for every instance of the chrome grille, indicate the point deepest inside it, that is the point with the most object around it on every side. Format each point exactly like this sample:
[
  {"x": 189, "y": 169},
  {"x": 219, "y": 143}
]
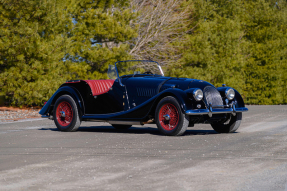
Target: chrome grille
[{"x": 212, "y": 96}]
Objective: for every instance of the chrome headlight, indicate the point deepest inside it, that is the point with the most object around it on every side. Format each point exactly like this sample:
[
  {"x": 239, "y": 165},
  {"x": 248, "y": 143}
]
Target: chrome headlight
[
  {"x": 197, "y": 94},
  {"x": 230, "y": 93}
]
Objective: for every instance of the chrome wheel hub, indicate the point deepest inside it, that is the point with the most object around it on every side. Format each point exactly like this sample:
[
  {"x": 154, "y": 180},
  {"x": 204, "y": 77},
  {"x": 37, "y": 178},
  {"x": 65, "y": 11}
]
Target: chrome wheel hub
[
  {"x": 62, "y": 114},
  {"x": 167, "y": 117}
]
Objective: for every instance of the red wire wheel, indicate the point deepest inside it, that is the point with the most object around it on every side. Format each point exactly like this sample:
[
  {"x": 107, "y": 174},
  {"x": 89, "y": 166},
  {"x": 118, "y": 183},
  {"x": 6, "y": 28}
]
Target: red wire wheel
[
  {"x": 168, "y": 116},
  {"x": 64, "y": 113}
]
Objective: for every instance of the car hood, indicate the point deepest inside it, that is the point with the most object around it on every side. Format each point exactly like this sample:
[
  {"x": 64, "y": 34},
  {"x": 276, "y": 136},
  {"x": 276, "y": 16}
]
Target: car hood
[
  {"x": 185, "y": 83},
  {"x": 162, "y": 83}
]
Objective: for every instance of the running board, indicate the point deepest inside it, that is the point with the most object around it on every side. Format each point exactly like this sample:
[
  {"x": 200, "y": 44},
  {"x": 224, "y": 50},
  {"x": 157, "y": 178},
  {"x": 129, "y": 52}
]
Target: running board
[{"x": 114, "y": 122}]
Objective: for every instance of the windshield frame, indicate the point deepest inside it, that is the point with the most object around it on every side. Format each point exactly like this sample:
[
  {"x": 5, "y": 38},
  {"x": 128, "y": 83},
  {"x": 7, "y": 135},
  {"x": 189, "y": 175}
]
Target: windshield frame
[{"x": 138, "y": 61}]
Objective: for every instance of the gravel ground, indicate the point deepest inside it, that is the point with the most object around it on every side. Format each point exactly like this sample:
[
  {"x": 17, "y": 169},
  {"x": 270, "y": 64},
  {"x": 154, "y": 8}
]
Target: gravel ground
[{"x": 15, "y": 114}]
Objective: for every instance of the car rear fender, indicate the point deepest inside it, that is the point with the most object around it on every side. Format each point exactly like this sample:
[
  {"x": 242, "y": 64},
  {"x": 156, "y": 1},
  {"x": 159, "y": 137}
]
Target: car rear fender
[{"x": 68, "y": 90}]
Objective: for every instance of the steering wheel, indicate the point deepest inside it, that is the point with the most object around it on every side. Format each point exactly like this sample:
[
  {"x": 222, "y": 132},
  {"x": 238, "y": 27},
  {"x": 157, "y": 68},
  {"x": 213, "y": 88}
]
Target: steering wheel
[{"x": 148, "y": 72}]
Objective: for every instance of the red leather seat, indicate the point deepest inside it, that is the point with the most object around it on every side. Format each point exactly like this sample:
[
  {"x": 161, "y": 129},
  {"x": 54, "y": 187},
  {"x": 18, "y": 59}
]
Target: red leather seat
[{"x": 99, "y": 87}]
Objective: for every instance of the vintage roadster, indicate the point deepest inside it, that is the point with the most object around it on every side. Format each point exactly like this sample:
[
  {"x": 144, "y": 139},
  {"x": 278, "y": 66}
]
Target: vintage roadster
[{"x": 144, "y": 95}]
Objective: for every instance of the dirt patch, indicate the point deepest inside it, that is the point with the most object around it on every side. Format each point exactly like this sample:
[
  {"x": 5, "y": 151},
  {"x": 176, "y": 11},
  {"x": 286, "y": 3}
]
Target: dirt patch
[{"x": 8, "y": 114}]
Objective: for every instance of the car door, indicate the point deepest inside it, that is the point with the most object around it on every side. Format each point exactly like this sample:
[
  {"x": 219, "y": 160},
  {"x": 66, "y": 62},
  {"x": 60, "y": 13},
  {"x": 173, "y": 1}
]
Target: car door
[
  {"x": 118, "y": 97},
  {"x": 141, "y": 89}
]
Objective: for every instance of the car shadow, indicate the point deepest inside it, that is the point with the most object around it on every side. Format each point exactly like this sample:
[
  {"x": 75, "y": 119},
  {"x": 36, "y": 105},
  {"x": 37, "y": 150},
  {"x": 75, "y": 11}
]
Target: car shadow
[
  {"x": 134, "y": 130},
  {"x": 199, "y": 132}
]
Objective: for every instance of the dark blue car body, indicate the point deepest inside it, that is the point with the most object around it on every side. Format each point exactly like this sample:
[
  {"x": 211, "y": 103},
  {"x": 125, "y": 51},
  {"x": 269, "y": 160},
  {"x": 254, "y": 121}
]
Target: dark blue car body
[{"x": 133, "y": 99}]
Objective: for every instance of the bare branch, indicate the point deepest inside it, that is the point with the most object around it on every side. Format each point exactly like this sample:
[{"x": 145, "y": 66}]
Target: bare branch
[{"x": 160, "y": 24}]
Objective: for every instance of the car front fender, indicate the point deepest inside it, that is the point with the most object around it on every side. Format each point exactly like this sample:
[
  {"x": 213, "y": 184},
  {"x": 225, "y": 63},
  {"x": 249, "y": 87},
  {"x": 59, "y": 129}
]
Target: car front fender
[
  {"x": 238, "y": 97},
  {"x": 180, "y": 95}
]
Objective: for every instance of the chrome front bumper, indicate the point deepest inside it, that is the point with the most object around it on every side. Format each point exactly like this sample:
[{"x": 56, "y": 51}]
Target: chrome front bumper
[{"x": 211, "y": 111}]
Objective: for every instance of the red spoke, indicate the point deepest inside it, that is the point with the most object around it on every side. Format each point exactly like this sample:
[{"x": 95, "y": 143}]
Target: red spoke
[
  {"x": 171, "y": 110},
  {"x": 68, "y": 116}
]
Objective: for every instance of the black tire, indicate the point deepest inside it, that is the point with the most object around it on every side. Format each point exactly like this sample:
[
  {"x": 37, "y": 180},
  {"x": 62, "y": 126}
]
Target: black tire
[
  {"x": 178, "y": 121},
  {"x": 230, "y": 126},
  {"x": 71, "y": 120},
  {"x": 121, "y": 127}
]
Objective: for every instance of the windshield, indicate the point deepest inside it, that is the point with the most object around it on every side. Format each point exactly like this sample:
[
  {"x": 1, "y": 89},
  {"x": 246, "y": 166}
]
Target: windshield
[
  {"x": 112, "y": 72},
  {"x": 133, "y": 67}
]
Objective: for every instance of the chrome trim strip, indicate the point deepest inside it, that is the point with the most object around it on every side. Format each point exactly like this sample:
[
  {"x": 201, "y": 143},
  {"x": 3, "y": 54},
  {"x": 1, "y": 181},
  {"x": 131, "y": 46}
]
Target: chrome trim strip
[
  {"x": 160, "y": 69},
  {"x": 215, "y": 111}
]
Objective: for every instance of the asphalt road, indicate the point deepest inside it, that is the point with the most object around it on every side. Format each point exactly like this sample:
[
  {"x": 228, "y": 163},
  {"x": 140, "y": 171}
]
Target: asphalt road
[{"x": 34, "y": 155}]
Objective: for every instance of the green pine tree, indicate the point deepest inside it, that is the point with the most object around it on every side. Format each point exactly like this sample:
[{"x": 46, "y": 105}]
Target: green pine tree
[
  {"x": 215, "y": 50},
  {"x": 45, "y": 43},
  {"x": 101, "y": 34},
  {"x": 266, "y": 26},
  {"x": 239, "y": 43},
  {"x": 33, "y": 42}
]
